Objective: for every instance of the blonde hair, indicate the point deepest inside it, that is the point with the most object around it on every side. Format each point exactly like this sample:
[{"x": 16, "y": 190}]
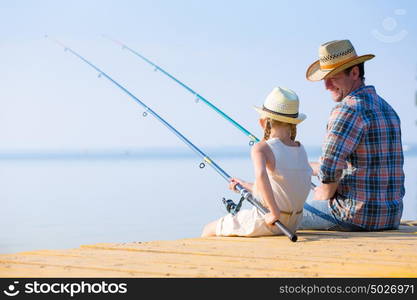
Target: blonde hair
[{"x": 272, "y": 123}]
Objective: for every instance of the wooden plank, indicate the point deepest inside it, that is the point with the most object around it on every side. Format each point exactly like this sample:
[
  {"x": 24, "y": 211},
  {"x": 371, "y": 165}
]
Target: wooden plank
[
  {"x": 316, "y": 254},
  {"x": 168, "y": 264}
]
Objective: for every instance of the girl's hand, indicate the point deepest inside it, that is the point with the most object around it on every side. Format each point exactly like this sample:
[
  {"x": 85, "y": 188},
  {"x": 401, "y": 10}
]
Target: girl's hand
[
  {"x": 270, "y": 218},
  {"x": 234, "y": 182}
]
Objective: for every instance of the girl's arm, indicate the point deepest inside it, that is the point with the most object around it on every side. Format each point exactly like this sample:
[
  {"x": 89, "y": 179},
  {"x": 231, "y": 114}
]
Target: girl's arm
[{"x": 261, "y": 157}]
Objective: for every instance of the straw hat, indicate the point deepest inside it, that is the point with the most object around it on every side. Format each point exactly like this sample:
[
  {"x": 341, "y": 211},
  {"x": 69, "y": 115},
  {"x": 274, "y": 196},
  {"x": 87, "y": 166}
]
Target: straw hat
[
  {"x": 281, "y": 105},
  {"x": 334, "y": 57}
]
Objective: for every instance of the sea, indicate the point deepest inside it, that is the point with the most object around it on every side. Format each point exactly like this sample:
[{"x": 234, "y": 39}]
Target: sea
[{"x": 65, "y": 199}]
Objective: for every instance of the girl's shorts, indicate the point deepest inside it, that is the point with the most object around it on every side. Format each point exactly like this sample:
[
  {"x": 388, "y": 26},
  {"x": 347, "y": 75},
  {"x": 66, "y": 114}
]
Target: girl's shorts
[{"x": 247, "y": 222}]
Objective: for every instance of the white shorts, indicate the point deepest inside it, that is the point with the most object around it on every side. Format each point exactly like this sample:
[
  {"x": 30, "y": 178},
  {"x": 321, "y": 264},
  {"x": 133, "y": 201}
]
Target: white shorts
[{"x": 247, "y": 222}]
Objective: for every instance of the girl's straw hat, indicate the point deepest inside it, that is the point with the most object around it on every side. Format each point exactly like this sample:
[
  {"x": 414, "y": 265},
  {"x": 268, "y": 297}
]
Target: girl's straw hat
[
  {"x": 334, "y": 57},
  {"x": 281, "y": 105}
]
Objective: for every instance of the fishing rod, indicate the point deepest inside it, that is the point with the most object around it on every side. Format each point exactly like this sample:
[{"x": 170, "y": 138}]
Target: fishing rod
[
  {"x": 245, "y": 194},
  {"x": 253, "y": 139}
]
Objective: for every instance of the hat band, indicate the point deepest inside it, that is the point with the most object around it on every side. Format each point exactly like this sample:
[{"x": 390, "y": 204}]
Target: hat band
[
  {"x": 333, "y": 66},
  {"x": 281, "y": 114}
]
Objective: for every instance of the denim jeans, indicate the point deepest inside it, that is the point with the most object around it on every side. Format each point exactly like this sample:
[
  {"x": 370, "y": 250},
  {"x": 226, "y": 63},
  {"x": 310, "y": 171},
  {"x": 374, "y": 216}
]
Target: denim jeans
[{"x": 317, "y": 215}]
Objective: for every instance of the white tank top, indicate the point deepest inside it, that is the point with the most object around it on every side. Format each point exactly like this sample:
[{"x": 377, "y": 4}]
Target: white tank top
[{"x": 290, "y": 180}]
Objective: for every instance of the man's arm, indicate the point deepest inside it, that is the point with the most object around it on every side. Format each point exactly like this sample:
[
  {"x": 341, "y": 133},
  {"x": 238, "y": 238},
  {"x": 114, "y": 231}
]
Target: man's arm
[
  {"x": 316, "y": 167},
  {"x": 344, "y": 132},
  {"x": 325, "y": 191}
]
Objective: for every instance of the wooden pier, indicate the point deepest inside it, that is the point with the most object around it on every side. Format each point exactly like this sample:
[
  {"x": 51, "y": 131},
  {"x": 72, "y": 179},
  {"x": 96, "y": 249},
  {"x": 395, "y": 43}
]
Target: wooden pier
[{"x": 316, "y": 254}]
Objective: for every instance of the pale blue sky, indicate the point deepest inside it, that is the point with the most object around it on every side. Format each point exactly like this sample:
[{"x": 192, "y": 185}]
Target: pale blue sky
[{"x": 231, "y": 52}]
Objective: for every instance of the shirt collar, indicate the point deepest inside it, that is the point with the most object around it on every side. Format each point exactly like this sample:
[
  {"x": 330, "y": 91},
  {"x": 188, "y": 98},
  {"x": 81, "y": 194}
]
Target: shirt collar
[{"x": 366, "y": 89}]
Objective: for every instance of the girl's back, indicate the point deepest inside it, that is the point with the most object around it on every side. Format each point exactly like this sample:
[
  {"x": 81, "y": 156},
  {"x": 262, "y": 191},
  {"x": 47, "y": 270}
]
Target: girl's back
[{"x": 290, "y": 181}]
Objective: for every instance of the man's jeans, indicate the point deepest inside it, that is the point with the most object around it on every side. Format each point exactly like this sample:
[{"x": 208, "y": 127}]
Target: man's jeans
[{"x": 317, "y": 215}]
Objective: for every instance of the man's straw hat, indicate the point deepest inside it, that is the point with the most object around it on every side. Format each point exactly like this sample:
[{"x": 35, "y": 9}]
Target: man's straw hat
[
  {"x": 281, "y": 105},
  {"x": 334, "y": 57}
]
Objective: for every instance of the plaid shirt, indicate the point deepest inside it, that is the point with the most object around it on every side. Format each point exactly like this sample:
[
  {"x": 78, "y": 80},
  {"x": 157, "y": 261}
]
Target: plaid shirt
[{"x": 363, "y": 143}]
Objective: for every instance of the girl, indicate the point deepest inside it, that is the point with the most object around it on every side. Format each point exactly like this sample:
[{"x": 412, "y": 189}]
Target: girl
[{"x": 282, "y": 173}]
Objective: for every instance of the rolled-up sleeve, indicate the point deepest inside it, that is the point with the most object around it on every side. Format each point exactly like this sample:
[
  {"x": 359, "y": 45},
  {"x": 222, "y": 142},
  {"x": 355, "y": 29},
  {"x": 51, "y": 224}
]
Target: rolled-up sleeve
[{"x": 344, "y": 133}]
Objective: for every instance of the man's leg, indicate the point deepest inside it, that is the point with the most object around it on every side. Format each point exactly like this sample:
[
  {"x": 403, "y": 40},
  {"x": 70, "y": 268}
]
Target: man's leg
[{"x": 316, "y": 215}]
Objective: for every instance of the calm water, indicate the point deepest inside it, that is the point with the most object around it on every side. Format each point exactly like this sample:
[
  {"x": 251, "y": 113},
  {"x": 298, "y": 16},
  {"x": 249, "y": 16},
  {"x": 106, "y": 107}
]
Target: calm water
[{"x": 64, "y": 201}]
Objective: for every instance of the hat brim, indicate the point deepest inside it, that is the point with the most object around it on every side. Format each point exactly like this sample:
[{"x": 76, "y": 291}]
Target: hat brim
[
  {"x": 265, "y": 114},
  {"x": 314, "y": 73}
]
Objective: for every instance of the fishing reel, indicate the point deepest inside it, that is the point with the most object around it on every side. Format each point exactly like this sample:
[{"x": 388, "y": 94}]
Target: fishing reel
[{"x": 231, "y": 206}]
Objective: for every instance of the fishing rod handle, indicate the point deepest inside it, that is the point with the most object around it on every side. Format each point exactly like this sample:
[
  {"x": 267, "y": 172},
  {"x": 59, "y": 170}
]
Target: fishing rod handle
[
  {"x": 292, "y": 236},
  {"x": 248, "y": 196}
]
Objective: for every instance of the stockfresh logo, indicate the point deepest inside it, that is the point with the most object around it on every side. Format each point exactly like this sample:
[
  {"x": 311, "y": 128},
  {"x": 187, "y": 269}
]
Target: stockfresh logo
[
  {"x": 391, "y": 32},
  {"x": 11, "y": 290}
]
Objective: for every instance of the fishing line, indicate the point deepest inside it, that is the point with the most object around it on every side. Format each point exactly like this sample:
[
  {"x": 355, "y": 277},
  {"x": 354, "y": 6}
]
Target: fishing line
[
  {"x": 245, "y": 194},
  {"x": 253, "y": 139}
]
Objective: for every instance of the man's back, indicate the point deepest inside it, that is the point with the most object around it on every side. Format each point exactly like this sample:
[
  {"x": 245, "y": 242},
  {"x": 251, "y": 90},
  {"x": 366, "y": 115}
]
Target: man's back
[{"x": 368, "y": 132}]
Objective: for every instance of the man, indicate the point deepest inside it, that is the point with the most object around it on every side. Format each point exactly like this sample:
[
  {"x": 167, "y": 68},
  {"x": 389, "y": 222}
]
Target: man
[{"x": 361, "y": 166}]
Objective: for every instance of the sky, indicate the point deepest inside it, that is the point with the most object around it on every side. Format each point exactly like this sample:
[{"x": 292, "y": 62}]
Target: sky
[{"x": 231, "y": 52}]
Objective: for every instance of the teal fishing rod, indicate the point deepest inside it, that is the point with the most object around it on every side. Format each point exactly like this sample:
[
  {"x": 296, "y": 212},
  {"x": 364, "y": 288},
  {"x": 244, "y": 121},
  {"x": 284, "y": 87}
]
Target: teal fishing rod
[
  {"x": 253, "y": 139},
  {"x": 231, "y": 207}
]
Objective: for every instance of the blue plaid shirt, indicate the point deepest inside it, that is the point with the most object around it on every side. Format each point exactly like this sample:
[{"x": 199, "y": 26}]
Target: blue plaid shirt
[{"x": 363, "y": 150}]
